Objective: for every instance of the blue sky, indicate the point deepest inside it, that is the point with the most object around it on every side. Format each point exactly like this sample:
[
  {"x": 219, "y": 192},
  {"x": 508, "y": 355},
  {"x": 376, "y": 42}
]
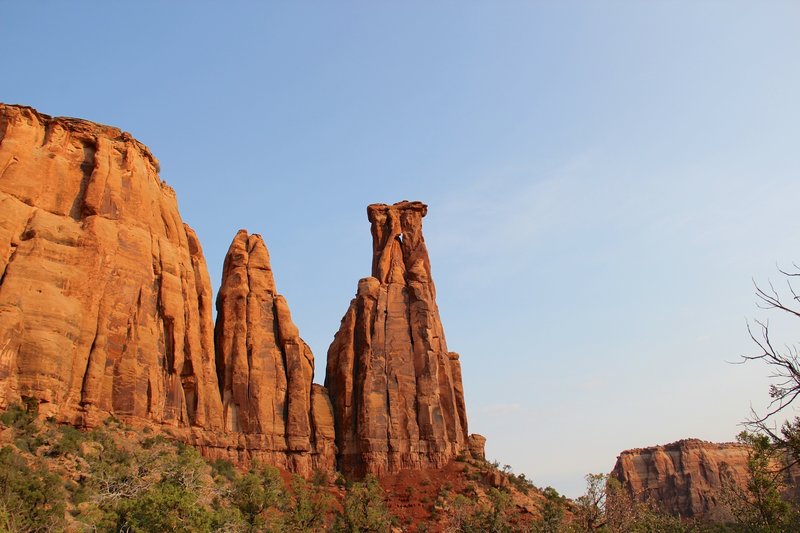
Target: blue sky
[{"x": 604, "y": 181}]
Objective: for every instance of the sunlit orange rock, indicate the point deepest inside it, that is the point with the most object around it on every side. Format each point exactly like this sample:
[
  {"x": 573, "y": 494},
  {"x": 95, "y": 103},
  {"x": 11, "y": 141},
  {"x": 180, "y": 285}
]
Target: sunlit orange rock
[
  {"x": 396, "y": 389},
  {"x": 265, "y": 369},
  {"x": 685, "y": 478}
]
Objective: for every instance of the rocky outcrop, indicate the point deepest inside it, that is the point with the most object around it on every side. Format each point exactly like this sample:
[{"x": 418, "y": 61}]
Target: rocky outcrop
[
  {"x": 685, "y": 478},
  {"x": 265, "y": 369},
  {"x": 105, "y": 301},
  {"x": 396, "y": 389},
  {"x": 105, "y": 305},
  {"x": 105, "y": 310}
]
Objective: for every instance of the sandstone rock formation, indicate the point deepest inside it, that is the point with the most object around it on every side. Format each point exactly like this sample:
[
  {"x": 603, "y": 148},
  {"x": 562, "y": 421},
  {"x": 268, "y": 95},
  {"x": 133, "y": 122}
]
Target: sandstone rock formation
[
  {"x": 396, "y": 389},
  {"x": 105, "y": 305},
  {"x": 105, "y": 301},
  {"x": 685, "y": 478},
  {"x": 265, "y": 369}
]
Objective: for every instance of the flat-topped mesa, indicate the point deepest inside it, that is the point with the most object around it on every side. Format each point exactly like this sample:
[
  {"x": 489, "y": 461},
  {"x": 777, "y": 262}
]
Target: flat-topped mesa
[
  {"x": 396, "y": 389},
  {"x": 686, "y": 478},
  {"x": 105, "y": 300},
  {"x": 266, "y": 370}
]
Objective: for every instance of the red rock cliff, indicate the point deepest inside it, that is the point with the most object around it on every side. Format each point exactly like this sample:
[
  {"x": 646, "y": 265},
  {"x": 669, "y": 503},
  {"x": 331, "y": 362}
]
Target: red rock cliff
[
  {"x": 105, "y": 301},
  {"x": 105, "y": 305},
  {"x": 685, "y": 478},
  {"x": 396, "y": 389}
]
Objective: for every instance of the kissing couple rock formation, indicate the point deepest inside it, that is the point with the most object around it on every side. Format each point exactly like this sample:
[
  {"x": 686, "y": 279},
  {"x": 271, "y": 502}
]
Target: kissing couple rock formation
[{"x": 105, "y": 310}]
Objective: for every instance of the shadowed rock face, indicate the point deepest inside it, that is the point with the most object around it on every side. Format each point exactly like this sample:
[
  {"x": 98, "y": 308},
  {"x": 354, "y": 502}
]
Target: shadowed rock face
[
  {"x": 105, "y": 301},
  {"x": 684, "y": 478},
  {"x": 265, "y": 369},
  {"x": 396, "y": 389}
]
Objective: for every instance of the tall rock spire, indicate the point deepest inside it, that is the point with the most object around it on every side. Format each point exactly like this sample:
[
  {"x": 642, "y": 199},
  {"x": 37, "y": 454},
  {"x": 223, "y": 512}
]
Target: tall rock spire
[
  {"x": 396, "y": 389},
  {"x": 265, "y": 369}
]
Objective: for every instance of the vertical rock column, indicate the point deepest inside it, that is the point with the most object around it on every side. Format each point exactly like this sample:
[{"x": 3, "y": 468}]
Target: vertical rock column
[
  {"x": 396, "y": 389},
  {"x": 265, "y": 369}
]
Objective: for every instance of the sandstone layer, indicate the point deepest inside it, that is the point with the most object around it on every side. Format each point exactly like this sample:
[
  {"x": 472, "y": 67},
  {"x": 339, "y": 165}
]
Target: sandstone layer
[
  {"x": 105, "y": 301},
  {"x": 265, "y": 369},
  {"x": 684, "y": 478},
  {"x": 396, "y": 389}
]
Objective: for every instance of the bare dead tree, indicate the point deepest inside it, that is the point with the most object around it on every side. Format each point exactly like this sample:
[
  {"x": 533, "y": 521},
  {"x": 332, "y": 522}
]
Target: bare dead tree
[{"x": 784, "y": 362}]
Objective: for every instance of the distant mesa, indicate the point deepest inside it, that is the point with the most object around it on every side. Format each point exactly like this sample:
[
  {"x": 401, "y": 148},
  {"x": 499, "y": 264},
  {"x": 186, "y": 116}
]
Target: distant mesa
[
  {"x": 687, "y": 478},
  {"x": 105, "y": 310}
]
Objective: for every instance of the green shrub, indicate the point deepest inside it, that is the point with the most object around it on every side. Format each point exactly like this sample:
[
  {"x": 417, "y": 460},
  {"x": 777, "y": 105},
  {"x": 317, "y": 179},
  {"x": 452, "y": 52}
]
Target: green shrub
[
  {"x": 260, "y": 495},
  {"x": 364, "y": 509},
  {"x": 30, "y": 499},
  {"x": 165, "y": 507},
  {"x": 21, "y": 416},
  {"x": 307, "y": 507},
  {"x": 70, "y": 441},
  {"x": 224, "y": 469}
]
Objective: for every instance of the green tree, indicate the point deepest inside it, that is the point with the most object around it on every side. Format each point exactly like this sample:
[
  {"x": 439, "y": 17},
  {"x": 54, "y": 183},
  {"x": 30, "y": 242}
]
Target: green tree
[
  {"x": 364, "y": 509},
  {"x": 307, "y": 507},
  {"x": 259, "y": 495},
  {"x": 492, "y": 516},
  {"x": 31, "y": 500},
  {"x": 552, "y": 520},
  {"x": 761, "y": 506},
  {"x": 591, "y": 506},
  {"x": 165, "y": 507}
]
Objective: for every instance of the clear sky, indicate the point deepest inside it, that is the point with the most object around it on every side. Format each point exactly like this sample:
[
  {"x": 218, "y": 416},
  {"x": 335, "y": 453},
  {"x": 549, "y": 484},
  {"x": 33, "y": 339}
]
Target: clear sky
[{"x": 604, "y": 179}]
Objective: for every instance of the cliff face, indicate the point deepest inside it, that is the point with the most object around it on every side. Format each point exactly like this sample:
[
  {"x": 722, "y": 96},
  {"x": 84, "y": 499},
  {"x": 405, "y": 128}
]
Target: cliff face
[
  {"x": 265, "y": 369},
  {"x": 396, "y": 389},
  {"x": 686, "y": 477},
  {"x": 105, "y": 310},
  {"x": 105, "y": 305},
  {"x": 105, "y": 301}
]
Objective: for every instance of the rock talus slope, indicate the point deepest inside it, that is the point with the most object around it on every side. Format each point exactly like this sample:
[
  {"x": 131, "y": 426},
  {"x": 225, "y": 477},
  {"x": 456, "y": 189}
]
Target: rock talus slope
[
  {"x": 396, "y": 389},
  {"x": 685, "y": 478}
]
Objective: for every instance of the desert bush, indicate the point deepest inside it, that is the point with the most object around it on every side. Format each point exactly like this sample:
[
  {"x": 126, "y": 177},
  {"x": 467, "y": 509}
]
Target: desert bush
[
  {"x": 164, "y": 507},
  {"x": 364, "y": 509},
  {"x": 469, "y": 516},
  {"x": 306, "y": 507},
  {"x": 260, "y": 495},
  {"x": 31, "y": 499},
  {"x": 552, "y": 520},
  {"x": 224, "y": 469}
]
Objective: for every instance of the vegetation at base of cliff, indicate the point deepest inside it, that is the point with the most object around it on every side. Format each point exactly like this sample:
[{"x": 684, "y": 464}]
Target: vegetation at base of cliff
[
  {"x": 58, "y": 478},
  {"x": 112, "y": 478}
]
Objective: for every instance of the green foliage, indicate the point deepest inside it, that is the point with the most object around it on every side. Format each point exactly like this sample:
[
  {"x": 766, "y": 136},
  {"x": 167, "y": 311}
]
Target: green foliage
[
  {"x": 591, "y": 506},
  {"x": 260, "y": 495},
  {"x": 307, "y": 507},
  {"x": 165, "y": 506},
  {"x": 31, "y": 500},
  {"x": 70, "y": 441},
  {"x": 21, "y": 416},
  {"x": 224, "y": 469},
  {"x": 364, "y": 509},
  {"x": 552, "y": 520},
  {"x": 762, "y": 506},
  {"x": 468, "y": 516}
]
